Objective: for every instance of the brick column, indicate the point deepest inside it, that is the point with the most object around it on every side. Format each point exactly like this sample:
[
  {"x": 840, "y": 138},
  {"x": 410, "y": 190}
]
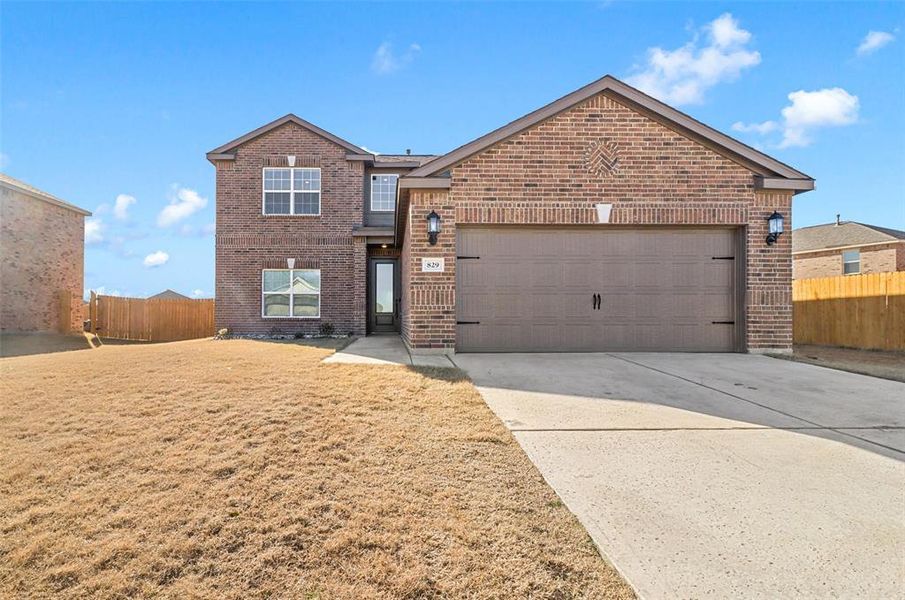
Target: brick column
[
  {"x": 360, "y": 296},
  {"x": 768, "y": 298},
  {"x": 430, "y": 320}
]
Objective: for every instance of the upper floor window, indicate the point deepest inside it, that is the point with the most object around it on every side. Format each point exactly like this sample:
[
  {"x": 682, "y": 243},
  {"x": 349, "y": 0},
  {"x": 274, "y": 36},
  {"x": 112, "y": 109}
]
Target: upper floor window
[
  {"x": 292, "y": 191},
  {"x": 851, "y": 262},
  {"x": 383, "y": 192}
]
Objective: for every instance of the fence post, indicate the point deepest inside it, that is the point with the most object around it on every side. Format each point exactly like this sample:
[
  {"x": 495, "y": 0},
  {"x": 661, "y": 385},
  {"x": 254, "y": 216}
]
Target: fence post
[{"x": 92, "y": 312}]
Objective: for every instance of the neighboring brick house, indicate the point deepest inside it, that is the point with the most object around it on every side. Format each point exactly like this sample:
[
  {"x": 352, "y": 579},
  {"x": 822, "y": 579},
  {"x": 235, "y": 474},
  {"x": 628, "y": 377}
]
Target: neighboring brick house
[
  {"x": 846, "y": 248},
  {"x": 603, "y": 221},
  {"x": 42, "y": 249}
]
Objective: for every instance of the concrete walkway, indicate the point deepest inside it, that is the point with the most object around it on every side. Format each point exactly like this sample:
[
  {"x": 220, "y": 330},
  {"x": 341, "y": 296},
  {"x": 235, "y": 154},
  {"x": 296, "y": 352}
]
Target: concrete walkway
[
  {"x": 717, "y": 476},
  {"x": 385, "y": 350}
]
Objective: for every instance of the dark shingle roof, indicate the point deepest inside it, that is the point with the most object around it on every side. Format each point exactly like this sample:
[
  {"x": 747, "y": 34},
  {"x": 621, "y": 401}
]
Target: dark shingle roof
[
  {"x": 846, "y": 233},
  {"x": 421, "y": 159}
]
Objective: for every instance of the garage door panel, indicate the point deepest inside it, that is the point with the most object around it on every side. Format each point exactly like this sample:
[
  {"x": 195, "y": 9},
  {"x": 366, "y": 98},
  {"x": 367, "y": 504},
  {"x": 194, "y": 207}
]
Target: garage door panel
[
  {"x": 617, "y": 306},
  {"x": 532, "y": 289}
]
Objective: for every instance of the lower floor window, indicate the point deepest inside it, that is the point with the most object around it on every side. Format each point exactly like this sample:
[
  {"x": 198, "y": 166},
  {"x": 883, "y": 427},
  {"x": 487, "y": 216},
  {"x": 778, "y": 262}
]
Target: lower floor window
[{"x": 291, "y": 293}]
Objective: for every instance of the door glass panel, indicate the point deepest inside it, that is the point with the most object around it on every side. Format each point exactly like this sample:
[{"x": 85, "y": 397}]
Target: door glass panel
[{"x": 383, "y": 296}]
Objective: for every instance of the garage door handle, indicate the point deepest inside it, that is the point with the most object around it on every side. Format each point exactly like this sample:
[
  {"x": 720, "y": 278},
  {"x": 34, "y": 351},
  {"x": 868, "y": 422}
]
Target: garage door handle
[{"x": 595, "y": 301}]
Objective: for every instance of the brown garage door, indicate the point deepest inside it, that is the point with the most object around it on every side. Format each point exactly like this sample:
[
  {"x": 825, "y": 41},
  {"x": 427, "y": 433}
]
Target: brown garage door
[{"x": 590, "y": 289}]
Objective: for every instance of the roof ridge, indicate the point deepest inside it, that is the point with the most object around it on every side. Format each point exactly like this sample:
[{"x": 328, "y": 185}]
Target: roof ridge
[
  {"x": 730, "y": 145},
  {"x": 26, "y": 188},
  {"x": 224, "y": 149}
]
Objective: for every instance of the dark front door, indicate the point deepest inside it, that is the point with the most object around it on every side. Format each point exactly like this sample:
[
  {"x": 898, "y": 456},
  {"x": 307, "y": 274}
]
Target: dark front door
[{"x": 383, "y": 295}]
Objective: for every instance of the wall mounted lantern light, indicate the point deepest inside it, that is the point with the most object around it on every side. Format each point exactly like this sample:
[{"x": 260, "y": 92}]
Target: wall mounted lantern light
[
  {"x": 775, "y": 221},
  {"x": 433, "y": 227}
]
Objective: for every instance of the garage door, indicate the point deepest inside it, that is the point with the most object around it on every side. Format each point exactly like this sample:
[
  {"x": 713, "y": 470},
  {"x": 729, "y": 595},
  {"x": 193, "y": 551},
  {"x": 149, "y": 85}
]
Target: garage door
[{"x": 586, "y": 289}]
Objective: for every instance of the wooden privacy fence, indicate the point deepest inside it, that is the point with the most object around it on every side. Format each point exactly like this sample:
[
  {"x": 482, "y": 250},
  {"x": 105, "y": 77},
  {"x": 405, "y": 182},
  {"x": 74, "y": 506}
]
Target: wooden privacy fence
[
  {"x": 149, "y": 320},
  {"x": 854, "y": 311}
]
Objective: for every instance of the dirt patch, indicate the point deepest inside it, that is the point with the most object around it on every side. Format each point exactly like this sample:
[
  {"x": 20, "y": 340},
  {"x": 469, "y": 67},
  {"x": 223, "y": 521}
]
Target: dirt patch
[
  {"x": 878, "y": 363},
  {"x": 239, "y": 468}
]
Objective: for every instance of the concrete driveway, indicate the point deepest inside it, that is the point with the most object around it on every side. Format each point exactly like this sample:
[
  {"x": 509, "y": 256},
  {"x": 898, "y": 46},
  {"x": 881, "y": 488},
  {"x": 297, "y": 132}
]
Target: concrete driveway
[{"x": 717, "y": 475}]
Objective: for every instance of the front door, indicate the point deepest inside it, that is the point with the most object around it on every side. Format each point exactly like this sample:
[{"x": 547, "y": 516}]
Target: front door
[{"x": 383, "y": 296}]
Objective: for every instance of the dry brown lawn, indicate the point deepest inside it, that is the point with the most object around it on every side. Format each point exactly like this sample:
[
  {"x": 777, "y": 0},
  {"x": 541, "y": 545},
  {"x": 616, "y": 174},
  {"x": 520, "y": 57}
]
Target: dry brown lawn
[{"x": 250, "y": 469}]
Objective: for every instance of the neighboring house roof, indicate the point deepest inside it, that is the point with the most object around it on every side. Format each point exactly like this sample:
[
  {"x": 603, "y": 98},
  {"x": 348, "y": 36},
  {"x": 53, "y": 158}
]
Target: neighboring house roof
[
  {"x": 766, "y": 166},
  {"x": 20, "y": 186},
  {"x": 168, "y": 294},
  {"x": 226, "y": 151},
  {"x": 421, "y": 159},
  {"x": 846, "y": 234}
]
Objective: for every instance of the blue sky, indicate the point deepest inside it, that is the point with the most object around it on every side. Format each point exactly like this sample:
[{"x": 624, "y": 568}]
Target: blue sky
[{"x": 113, "y": 106}]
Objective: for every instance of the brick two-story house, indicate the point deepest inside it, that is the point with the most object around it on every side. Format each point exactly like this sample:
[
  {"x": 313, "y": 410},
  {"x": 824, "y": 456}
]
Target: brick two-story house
[
  {"x": 42, "y": 260},
  {"x": 605, "y": 220},
  {"x": 846, "y": 248}
]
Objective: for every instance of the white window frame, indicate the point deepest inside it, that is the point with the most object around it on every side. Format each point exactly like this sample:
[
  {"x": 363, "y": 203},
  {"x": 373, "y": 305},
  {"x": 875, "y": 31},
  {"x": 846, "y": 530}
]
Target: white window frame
[
  {"x": 849, "y": 262},
  {"x": 292, "y": 192},
  {"x": 383, "y": 210},
  {"x": 291, "y": 294}
]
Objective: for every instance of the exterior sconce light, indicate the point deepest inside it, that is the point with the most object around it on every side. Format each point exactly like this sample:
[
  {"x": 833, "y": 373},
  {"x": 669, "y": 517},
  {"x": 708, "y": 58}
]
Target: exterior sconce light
[
  {"x": 775, "y": 221},
  {"x": 433, "y": 227},
  {"x": 290, "y": 263}
]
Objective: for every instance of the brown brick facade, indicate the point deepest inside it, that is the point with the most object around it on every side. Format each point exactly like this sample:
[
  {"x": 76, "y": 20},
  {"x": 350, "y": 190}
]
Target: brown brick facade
[
  {"x": 42, "y": 258},
  {"x": 543, "y": 176},
  {"x": 428, "y": 299},
  {"x": 874, "y": 259},
  {"x": 248, "y": 242}
]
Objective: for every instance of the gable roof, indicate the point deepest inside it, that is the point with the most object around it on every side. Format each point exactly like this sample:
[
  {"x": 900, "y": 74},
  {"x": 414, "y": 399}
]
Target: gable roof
[
  {"x": 845, "y": 234},
  {"x": 20, "y": 186},
  {"x": 226, "y": 151},
  {"x": 168, "y": 294},
  {"x": 719, "y": 142}
]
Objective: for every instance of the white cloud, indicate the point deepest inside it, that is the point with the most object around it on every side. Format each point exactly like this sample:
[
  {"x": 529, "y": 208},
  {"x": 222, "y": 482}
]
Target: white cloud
[
  {"x": 121, "y": 207},
  {"x": 103, "y": 291},
  {"x": 386, "y": 61},
  {"x": 184, "y": 202},
  {"x": 831, "y": 107},
  {"x": 873, "y": 41},
  {"x": 683, "y": 75},
  {"x": 4, "y": 160},
  {"x": 761, "y": 128},
  {"x": 94, "y": 231},
  {"x": 808, "y": 111},
  {"x": 197, "y": 293},
  {"x": 156, "y": 259}
]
